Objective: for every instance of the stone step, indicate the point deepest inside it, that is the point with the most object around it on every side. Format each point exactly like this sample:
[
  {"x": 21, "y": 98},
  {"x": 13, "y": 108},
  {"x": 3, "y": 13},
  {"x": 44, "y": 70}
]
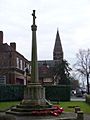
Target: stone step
[
  {"x": 18, "y": 113},
  {"x": 31, "y": 109},
  {"x": 29, "y": 113},
  {"x": 21, "y": 109},
  {"x": 33, "y": 106}
]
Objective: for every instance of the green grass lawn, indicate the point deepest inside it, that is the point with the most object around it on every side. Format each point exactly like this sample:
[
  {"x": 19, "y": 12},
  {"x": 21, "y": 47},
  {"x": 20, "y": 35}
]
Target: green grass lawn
[
  {"x": 66, "y": 105},
  {"x": 6, "y": 105}
]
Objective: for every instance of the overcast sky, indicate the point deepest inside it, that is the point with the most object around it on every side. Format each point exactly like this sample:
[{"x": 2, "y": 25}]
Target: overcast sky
[{"x": 71, "y": 17}]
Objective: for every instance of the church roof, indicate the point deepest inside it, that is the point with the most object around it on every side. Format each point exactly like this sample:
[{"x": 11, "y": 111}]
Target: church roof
[{"x": 45, "y": 67}]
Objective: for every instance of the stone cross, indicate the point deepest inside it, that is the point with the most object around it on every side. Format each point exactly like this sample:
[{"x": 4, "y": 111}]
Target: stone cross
[{"x": 34, "y": 17}]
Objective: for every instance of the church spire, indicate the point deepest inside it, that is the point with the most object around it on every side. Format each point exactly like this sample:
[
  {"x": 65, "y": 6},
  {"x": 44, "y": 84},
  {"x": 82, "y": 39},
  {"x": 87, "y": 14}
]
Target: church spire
[{"x": 58, "y": 51}]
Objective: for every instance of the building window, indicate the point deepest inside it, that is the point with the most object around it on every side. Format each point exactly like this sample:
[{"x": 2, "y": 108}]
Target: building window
[
  {"x": 2, "y": 79},
  {"x": 21, "y": 65},
  {"x": 47, "y": 80},
  {"x": 30, "y": 69},
  {"x": 17, "y": 62},
  {"x": 28, "y": 66}
]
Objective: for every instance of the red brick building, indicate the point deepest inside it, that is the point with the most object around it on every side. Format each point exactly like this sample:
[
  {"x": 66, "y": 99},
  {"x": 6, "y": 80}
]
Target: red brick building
[{"x": 13, "y": 65}]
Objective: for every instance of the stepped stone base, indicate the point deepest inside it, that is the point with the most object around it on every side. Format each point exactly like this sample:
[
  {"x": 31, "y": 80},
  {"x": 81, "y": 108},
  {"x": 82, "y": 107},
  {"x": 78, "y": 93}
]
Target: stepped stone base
[
  {"x": 34, "y": 101},
  {"x": 30, "y": 110}
]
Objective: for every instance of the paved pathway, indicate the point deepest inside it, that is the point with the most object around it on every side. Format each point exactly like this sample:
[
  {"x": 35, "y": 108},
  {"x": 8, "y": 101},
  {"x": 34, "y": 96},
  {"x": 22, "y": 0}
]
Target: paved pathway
[
  {"x": 65, "y": 114},
  {"x": 45, "y": 117},
  {"x": 87, "y": 117},
  {"x": 74, "y": 98}
]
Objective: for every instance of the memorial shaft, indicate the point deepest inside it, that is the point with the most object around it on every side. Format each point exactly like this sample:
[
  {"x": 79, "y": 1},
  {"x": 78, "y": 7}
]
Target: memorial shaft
[{"x": 34, "y": 63}]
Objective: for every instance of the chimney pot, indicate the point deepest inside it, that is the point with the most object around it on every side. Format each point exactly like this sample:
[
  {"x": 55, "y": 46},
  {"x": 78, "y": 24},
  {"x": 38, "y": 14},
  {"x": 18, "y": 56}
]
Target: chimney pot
[
  {"x": 13, "y": 45},
  {"x": 1, "y": 37}
]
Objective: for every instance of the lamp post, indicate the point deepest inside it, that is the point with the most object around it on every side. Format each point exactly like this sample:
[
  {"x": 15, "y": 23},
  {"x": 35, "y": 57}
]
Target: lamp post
[
  {"x": 88, "y": 78},
  {"x": 88, "y": 72}
]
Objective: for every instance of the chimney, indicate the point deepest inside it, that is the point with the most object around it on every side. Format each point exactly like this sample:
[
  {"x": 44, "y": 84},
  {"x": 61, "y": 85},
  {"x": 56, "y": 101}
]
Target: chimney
[
  {"x": 1, "y": 37},
  {"x": 13, "y": 45}
]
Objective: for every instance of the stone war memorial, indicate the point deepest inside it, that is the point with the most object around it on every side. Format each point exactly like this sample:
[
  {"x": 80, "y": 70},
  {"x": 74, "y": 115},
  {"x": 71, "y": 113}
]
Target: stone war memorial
[
  {"x": 34, "y": 102},
  {"x": 34, "y": 105}
]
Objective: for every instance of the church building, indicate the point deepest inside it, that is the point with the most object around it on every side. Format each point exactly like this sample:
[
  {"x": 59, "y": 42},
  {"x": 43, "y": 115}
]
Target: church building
[{"x": 46, "y": 66}]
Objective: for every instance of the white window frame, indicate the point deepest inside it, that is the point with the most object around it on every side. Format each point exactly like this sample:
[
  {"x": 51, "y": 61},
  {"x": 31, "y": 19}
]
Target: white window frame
[
  {"x": 17, "y": 62},
  {"x": 21, "y": 66},
  {"x": 2, "y": 79}
]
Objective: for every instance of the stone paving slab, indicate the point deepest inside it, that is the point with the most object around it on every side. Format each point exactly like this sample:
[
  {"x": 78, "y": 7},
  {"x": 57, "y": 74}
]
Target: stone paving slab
[{"x": 73, "y": 115}]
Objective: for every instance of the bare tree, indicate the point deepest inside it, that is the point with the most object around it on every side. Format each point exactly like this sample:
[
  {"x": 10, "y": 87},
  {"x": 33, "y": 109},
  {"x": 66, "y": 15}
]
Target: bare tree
[{"x": 82, "y": 65}]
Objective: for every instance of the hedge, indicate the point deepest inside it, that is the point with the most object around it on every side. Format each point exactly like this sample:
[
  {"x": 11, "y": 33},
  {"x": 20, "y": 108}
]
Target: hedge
[
  {"x": 16, "y": 92},
  {"x": 11, "y": 92},
  {"x": 58, "y": 93}
]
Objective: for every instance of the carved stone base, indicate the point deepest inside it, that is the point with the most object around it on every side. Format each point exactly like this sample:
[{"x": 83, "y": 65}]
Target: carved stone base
[{"x": 34, "y": 94}]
